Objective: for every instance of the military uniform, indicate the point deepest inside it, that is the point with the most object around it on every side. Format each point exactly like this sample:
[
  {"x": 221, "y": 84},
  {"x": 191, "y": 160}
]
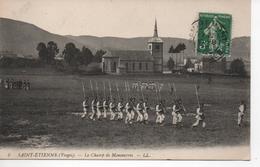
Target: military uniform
[
  {"x": 241, "y": 112},
  {"x": 105, "y": 108},
  {"x": 93, "y": 108},
  {"x": 139, "y": 113},
  {"x": 200, "y": 118},
  {"x": 145, "y": 112},
  {"x": 128, "y": 118},
  {"x": 99, "y": 108},
  {"x": 112, "y": 111},
  {"x": 120, "y": 111},
  {"x": 85, "y": 108}
]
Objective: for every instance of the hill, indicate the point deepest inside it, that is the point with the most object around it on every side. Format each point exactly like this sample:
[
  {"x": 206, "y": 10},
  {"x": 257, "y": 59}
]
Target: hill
[{"x": 22, "y": 38}]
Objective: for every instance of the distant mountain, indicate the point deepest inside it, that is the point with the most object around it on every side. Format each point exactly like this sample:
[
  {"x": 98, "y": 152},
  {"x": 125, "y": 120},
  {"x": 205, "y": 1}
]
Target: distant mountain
[
  {"x": 22, "y": 38},
  {"x": 241, "y": 48}
]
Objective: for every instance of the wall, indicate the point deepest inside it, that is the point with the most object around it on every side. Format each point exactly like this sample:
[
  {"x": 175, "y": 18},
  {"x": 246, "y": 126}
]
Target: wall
[{"x": 134, "y": 66}]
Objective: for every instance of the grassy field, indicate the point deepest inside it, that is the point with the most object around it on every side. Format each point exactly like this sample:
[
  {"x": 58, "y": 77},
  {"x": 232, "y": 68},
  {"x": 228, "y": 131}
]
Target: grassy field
[{"x": 47, "y": 115}]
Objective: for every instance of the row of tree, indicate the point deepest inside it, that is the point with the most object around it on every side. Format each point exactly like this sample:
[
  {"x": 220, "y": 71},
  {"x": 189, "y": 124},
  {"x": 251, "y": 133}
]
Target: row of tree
[{"x": 72, "y": 55}]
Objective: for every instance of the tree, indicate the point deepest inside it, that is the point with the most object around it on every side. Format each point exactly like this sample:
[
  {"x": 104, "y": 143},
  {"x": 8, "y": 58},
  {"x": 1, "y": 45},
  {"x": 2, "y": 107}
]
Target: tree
[
  {"x": 42, "y": 51},
  {"x": 86, "y": 56},
  {"x": 170, "y": 64},
  {"x": 71, "y": 55},
  {"x": 53, "y": 50},
  {"x": 237, "y": 66},
  {"x": 98, "y": 56},
  {"x": 171, "y": 50},
  {"x": 188, "y": 64},
  {"x": 180, "y": 48}
]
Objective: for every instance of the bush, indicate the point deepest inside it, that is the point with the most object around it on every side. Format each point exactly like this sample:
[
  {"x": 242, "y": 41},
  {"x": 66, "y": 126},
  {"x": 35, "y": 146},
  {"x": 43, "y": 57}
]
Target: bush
[{"x": 237, "y": 66}]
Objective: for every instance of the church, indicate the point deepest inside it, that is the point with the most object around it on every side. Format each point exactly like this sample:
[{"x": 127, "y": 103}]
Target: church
[{"x": 149, "y": 60}]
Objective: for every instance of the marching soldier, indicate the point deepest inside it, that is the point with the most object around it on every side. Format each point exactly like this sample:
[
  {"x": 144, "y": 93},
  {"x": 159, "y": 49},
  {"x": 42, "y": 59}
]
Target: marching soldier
[
  {"x": 7, "y": 83},
  {"x": 99, "y": 109},
  {"x": 132, "y": 108},
  {"x": 145, "y": 111},
  {"x": 85, "y": 108},
  {"x": 139, "y": 112},
  {"x": 24, "y": 84},
  {"x": 159, "y": 112},
  {"x": 112, "y": 110},
  {"x": 11, "y": 83},
  {"x": 105, "y": 108},
  {"x": 241, "y": 112},
  {"x": 128, "y": 118},
  {"x": 174, "y": 115},
  {"x": 120, "y": 110},
  {"x": 28, "y": 85},
  {"x": 200, "y": 117},
  {"x": 20, "y": 84},
  {"x": 93, "y": 108},
  {"x": 179, "y": 110}
]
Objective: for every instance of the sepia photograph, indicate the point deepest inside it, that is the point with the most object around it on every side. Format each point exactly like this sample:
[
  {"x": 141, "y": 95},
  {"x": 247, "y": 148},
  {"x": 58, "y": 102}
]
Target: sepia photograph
[{"x": 139, "y": 80}]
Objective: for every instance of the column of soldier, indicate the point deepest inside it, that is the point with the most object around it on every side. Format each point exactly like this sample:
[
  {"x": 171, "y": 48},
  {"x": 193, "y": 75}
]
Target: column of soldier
[
  {"x": 11, "y": 83},
  {"x": 135, "y": 111}
]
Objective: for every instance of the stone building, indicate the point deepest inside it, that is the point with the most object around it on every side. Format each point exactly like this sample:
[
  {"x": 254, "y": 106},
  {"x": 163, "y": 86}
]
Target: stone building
[{"x": 149, "y": 60}]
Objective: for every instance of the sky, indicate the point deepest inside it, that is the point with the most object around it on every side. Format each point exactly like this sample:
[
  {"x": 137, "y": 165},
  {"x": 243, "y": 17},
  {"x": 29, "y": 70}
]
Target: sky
[{"x": 124, "y": 18}]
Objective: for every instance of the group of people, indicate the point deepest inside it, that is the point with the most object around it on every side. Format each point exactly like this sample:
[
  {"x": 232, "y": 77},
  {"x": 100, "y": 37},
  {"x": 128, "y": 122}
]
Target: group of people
[
  {"x": 138, "y": 111},
  {"x": 10, "y": 83}
]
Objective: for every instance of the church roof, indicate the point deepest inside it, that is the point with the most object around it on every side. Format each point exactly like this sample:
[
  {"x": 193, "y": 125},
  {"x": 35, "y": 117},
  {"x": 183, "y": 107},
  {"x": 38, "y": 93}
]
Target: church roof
[
  {"x": 155, "y": 38},
  {"x": 132, "y": 55}
]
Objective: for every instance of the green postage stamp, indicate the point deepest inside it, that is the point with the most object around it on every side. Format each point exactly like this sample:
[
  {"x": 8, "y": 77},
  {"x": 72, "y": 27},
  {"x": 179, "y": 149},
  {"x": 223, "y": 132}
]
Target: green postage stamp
[{"x": 214, "y": 34}]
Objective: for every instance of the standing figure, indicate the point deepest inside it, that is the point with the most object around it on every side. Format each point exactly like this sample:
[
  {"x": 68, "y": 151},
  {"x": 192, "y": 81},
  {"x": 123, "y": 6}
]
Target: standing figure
[
  {"x": 112, "y": 108},
  {"x": 145, "y": 112},
  {"x": 160, "y": 114},
  {"x": 93, "y": 108},
  {"x": 200, "y": 117},
  {"x": 20, "y": 84},
  {"x": 85, "y": 108},
  {"x": 128, "y": 118},
  {"x": 241, "y": 112},
  {"x": 132, "y": 104},
  {"x": 105, "y": 108},
  {"x": 139, "y": 112},
  {"x": 120, "y": 108},
  {"x": 7, "y": 83},
  {"x": 28, "y": 85},
  {"x": 174, "y": 115},
  {"x": 11, "y": 83},
  {"x": 99, "y": 109},
  {"x": 24, "y": 84},
  {"x": 179, "y": 110}
]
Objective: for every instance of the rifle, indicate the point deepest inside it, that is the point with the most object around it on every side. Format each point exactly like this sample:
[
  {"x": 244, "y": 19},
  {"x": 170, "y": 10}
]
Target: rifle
[
  {"x": 83, "y": 87},
  {"x": 104, "y": 86},
  {"x": 117, "y": 89},
  {"x": 110, "y": 91},
  {"x": 197, "y": 95},
  {"x": 96, "y": 89},
  {"x": 175, "y": 92},
  {"x": 91, "y": 86}
]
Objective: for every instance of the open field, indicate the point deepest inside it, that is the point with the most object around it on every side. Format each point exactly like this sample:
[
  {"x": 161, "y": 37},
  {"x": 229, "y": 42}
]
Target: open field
[{"x": 47, "y": 115}]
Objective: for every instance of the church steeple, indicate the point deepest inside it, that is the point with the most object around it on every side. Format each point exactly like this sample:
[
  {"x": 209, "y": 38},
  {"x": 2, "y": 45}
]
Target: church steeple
[{"x": 155, "y": 33}]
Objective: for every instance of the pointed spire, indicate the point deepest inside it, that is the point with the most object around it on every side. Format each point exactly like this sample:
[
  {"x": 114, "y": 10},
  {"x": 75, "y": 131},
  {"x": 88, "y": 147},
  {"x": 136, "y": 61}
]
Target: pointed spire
[{"x": 155, "y": 34}]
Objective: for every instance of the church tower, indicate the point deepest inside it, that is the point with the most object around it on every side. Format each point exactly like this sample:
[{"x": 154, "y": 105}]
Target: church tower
[{"x": 155, "y": 45}]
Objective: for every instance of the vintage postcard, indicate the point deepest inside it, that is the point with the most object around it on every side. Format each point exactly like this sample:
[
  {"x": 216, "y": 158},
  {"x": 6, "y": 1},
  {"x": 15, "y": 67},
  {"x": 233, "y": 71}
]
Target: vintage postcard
[{"x": 139, "y": 79}]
